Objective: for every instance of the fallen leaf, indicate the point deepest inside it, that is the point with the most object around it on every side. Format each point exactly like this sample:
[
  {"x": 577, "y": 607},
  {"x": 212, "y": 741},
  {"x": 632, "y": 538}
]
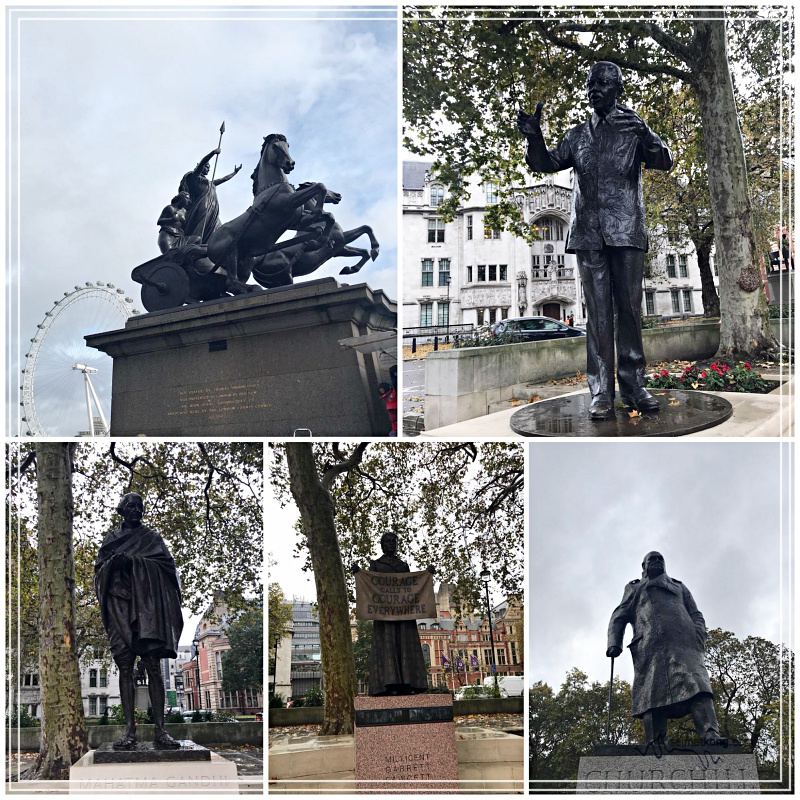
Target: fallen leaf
[
  {"x": 514, "y": 402},
  {"x": 674, "y": 402},
  {"x": 533, "y": 398},
  {"x": 634, "y": 413}
]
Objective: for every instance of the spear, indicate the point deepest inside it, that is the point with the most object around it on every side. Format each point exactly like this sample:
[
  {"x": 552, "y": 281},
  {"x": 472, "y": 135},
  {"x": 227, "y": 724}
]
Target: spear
[
  {"x": 213, "y": 173},
  {"x": 216, "y": 158},
  {"x": 610, "y": 691}
]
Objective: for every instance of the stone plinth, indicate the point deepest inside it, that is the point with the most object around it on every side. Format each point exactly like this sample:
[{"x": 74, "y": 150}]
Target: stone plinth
[
  {"x": 215, "y": 776},
  {"x": 263, "y": 364},
  {"x": 147, "y": 752},
  {"x": 669, "y": 773},
  {"x": 406, "y": 744},
  {"x": 681, "y": 413}
]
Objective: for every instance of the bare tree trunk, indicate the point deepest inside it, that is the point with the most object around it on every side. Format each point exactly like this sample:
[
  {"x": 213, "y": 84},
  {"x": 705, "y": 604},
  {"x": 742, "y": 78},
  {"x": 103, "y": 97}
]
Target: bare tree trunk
[
  {"x": 63, "y": 735},
  {"x": 317, "y": 513},
  {"x": 710, "y": 298},
  {"x": 745, "y": 328}
]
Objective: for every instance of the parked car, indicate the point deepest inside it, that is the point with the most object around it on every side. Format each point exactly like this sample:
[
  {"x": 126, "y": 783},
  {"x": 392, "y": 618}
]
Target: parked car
[
  {"x": 471, "y": 693},
  {"x": 509, "y": 685},
  {"x": 535, "y": 329}
]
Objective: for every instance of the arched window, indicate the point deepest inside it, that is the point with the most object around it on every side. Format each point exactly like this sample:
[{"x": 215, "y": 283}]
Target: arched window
[
  {"x": 426, "y": 654},
  {"x": 551, "y": 229},
  {"x": 437, "y": 195}
]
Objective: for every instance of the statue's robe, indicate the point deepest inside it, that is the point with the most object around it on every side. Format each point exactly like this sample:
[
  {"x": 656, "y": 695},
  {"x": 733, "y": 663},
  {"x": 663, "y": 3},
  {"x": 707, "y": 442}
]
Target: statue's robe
[
  {"x": 395, "y": 659},
  {"x": 140, "y": 606},
  {"x": 668, "y": 645}
]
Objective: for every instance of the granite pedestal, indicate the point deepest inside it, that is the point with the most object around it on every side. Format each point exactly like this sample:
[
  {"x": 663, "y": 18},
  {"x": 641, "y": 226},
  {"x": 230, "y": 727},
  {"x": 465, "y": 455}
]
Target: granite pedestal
[
  {"x": 262, "y": 364},
  {"x": 680, "y": 413},
  {"x": 669, "y": 771},
  {"x": 406, "y": 744},
  {"x": 191, "y": 769}
]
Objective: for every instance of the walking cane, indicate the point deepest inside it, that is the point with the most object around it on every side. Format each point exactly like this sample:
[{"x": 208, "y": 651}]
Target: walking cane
[{"x": 610, "y": 691}]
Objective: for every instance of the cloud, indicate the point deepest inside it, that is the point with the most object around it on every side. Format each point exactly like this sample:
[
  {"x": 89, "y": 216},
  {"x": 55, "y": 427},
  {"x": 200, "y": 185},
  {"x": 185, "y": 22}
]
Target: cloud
[
  {"x": 116, "y": 105},
  {"x": 714, "y": 510}
]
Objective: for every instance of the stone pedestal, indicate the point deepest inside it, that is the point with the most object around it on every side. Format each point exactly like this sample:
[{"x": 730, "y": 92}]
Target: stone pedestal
[
  {"x": 406, "y": 744},
  {"x": 669, "y": 773},
  {"x": 263, "y": 364},
  {"x": 187, "y": 771}
]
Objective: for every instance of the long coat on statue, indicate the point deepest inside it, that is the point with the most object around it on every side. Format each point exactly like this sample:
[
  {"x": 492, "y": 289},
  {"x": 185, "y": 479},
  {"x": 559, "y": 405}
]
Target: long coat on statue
[
  {"x": 140, "y": 606},
  {"x": 395, "y": 657},
  {"x": 668, "y": 645}
]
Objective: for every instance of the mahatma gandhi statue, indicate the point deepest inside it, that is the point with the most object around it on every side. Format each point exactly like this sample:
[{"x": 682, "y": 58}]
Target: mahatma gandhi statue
[{"x": 140, "y": 602}]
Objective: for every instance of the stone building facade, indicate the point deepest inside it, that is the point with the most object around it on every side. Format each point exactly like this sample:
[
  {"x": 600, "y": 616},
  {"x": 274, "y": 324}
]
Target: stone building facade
[{"x": 463, "y": 272}]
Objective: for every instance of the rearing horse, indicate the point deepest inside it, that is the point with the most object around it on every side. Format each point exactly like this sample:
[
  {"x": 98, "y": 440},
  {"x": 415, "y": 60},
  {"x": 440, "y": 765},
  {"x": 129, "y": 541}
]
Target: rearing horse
[
  {"x": 277, "y": 208},
  {"x": 281, "y": 266}
]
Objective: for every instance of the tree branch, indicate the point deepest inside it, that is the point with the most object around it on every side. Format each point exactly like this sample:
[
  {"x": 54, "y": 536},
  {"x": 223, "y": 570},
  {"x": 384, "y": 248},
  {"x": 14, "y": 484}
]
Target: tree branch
[
  {"x": 344, "y": 465},
  {"x": 589, "y": 52}
]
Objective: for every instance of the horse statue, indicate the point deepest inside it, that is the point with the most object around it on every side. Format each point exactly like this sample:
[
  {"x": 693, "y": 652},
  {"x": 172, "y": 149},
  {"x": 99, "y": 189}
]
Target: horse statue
[
  {"x": 281, "y": 266},
  {"x": 278, "y": 207},
  {"x": 248, "y": 245}
]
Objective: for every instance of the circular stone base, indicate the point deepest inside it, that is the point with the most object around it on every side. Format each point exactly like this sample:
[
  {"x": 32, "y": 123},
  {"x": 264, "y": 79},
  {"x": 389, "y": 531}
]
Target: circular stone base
[{"x": 681, "y": 412}]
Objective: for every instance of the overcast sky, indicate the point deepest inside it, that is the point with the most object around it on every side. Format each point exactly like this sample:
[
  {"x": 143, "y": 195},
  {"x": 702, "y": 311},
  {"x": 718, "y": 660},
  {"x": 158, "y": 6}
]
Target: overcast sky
[
  {"x": 113, "y": 106},
  {"x": 717, "y": 512}
]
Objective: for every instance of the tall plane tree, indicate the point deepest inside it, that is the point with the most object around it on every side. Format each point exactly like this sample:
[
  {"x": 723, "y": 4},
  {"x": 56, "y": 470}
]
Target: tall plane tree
[{"x": 464, "y": 73}]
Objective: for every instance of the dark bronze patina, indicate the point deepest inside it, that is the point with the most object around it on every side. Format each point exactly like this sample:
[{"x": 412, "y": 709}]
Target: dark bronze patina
[
  {"x": 204, "y": 259},
  {"x": 668, "y": 645},
  {"x": 396, "y": 664},
  {"x": 139, "y": 592},
  {"x": 607, "y": 230}
]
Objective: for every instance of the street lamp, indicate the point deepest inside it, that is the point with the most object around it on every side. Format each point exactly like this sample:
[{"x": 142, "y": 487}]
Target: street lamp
[
  {"x": 196, "y": 645},
  {"x": 486, "y": 576},
  {"x": 447, "y": 283}
]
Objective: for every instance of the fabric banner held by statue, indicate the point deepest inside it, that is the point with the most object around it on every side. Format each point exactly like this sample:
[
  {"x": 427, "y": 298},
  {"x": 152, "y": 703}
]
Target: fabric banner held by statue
[{"x": 394, "y": 596}]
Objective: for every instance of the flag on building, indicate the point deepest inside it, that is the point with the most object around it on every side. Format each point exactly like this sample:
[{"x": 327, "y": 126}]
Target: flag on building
[{"x": 444, "y": 660}]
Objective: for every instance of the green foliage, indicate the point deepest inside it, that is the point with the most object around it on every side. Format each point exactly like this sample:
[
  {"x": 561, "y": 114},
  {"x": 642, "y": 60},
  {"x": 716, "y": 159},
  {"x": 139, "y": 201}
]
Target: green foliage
[
  {"x": 483, "y": 337},
  {"x": 313, "y": 697},
  {"x": 361, "y": 648},
  {"x": 104, "y": 718},
  {"x": 564, "y": 726},
  {"x": 243, "y": 664},
  {"x": 280, "y": 612},
  {"x": 751, "y": 678},
  {"x": 117, "y": 717},
  {"x": 222, "y": 715},
  {"x": 455, "y": 506},
  {"x": 174, "y": 717},
  {"x": 276, "y": 701},
  {"x": 20, "y": 718},
  {"x": 197, "y": 715},
  {"x": 781, "y": 311},
  {"x": 467, "y": 70},
  {"x": 720, "y": 376},
  {"x": 203, "y": 498}
]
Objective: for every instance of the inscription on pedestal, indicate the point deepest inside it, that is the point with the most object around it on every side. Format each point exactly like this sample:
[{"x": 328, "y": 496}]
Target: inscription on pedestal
[
  {"x": 409, "y": 767},
  {"x": 701, "y": 771},
  {"x": 216, "y": 402}
]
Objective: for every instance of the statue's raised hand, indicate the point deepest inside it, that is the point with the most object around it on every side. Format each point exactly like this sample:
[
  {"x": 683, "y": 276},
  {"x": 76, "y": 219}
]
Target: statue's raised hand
[
  {"x": 628, "y": 121},
  {"x": 530, "y": 124},
  {"x": 236, "y": 169}
]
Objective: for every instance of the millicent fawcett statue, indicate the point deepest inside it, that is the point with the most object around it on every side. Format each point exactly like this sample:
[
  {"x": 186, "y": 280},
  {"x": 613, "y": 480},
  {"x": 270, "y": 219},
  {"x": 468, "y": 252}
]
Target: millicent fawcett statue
[
  {"x": 607, "y": 230},
  {"x": 140, "y": 602},
  {"x": 669, "y": 633},
  {"x": 396, "y": 664}
]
